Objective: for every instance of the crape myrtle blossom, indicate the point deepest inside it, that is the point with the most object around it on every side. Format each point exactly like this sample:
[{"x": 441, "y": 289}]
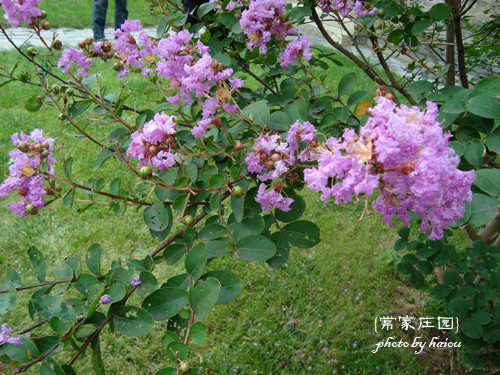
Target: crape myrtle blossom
[
  {"x": 155, "y": 144},
  {"x": 20, "y": 10},
  {"x": 6, "y": 338},
  {"x": 231, "y": 5},
  {"x": 135, "y": 52},
  {"x": 272, "y": 198},
  {"x": 402, "y": 152},
  {"x": 24, "y": 172},
  {"x": 77, "y": 57},
  {"x": 359, "y": 8},
  {"x": 266, "y": 18},
  {"x": 193, "y": 73}
]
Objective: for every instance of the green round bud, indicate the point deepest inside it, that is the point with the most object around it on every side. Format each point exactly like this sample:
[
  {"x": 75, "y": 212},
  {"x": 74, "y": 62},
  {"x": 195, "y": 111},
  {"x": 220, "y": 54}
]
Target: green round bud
[
  {"x": 381, "y": 13},
  {"x": 43, "y": 15},
  {"x": 23, "y": 147},
  {"x": 70, "y": 92},
  {"x": 184, "y": 367},
  {"x": 31, "y": 52},
  {"x": 188, "y": 220},
  {"x": 30, "y": 209},
  {"x": 237, "y": 191},
  {"x": 117, "y": 66},
  {"x": 57, "y": 187},
  {"x": 145, "y": 172},
  {"x": 285, "y": 16},
  {"x": 55, "y": 89}
]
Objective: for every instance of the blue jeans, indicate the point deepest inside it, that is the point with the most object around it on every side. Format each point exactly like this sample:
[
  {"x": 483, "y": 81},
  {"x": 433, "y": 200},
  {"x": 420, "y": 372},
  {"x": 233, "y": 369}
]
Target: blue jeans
[{"x": 99, "y": 10}]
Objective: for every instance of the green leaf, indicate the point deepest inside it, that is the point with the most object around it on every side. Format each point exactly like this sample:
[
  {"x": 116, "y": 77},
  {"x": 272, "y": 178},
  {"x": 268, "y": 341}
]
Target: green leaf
[
  {"x": 258, "y": 112},
  {"x": 203, "y": 296},
  {"x": 212, "y": 232},
  {"x": 458, "y": 147},
  {"x": 440, "y": 12},
  {"x": 441, "y": 291},
  {"x": 158, "y": 217},
  {"x": 492, "y": 334},
  {"x": 14, "y": 277},
  {"x": 164, "y": 303},
  {"x": 198, "y": 332},
  {"x": 238, "y": 203},
  {"x": 356, "y": 97},
  {"x": 404, "y": 233},
  {"x": 148, "y": 283},
  {"x": 255, "y": 248},
  {"x": 97, "y": 363},
  {"x": 48, "y": 306},
  {"x": 249, "y": 226},
  {"x": 196, "y": 259},
  {"x": 467, "y": 133},
  {"x": 425, "y": 253},
  {"x": 173, "y": 253},
  {"x": 474, "y": 153},
  {"x": 205, "y": 8},
  {"x": 421, "y": 26},
  {"x": 490, "y": 85},
  {"x": 420, "y": 87},
  {"x": 68, "y": 198},
  {"x": 471, "y": 328},
  {"x": 493, "y": 141},
  {"x": 282, "y": 250},
  {"x": 483, "y": 209},
  {"x": 485, "y": 105},
  {"x": 279, "y": 121},
  {"x": 33, "y": 104},
  {"x": 116, "y": 292},
  {"x": 302, "y": 233},
  {"x": 416, "y": 279},
  {"x": 132, "y": 321},
  {"x": 488, "y": 180},
  {"x": 297, "y": 110},
  {"x": 171, "y": 370},
  {"x": 38, "y": 261},
  {"x": 405, "y": 268},
  {"x": 452, "y": 277},
  {"x": 346, "y": 84},
  {"x": 230, "y": 285},
  {"x": 8, "y": 300},
  {"x": 459, "y": 306},
  {"x": 85, "y": 283},
  {"x": 104, "y": 155},
  {"x": 93, "y": 259}
]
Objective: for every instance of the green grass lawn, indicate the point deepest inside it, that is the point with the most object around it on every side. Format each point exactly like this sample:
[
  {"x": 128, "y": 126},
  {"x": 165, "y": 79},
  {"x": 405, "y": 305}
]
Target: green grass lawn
[
  {"x": 80, "y": 16},
  {"x": 313, "y": 315}
]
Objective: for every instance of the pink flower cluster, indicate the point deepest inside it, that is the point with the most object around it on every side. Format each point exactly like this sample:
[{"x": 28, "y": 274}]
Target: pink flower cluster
[
  {"x": 77, "y": 57},
  {"x": 266, "y": 18},
  {"x": 191, "y": 76},
  {"x": 6, "y": 338},
  {"x": 155, "y": 144},
  {"x": 20, "y": 10},
  {"x": 25, "y": 176},
  {"x": 274, "y": 157},
  {"x": 135, "y": 52},
  {"x": 230, "y": 6},
  {"x": 403, "y": 153},
  {"x": 359, "y": 8}
]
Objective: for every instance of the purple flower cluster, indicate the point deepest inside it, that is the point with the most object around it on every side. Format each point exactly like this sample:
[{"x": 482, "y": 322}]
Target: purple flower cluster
[
  {"x": 266, "y": 18},
  {"x": 358, "y": 7},
  {"x": 20, "y": 10},
  {"x": 6, "y": 338},
  {"x": 203, "y": 77},
  {"x": 25, "y": 177},
  {"x": 134, "y": 52},
  {"x": 272, "y": 198},
  {"x": 105, "y": 299},
  {"x": 155, "y": 144},
  {"x": 230, "y": 6},
  {"x": 403, "y": 152},
  {"x": 77, "y": 57},
  {"x": 273, "y": 159}
]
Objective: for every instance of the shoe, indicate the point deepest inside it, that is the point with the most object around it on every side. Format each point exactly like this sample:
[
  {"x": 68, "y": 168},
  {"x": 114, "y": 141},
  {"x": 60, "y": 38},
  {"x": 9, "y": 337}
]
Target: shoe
[{"x": 100, "y": 40}]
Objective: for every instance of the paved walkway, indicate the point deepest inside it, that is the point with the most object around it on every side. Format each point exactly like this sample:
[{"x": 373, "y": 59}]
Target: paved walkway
[{"x": 71, "y": 37}]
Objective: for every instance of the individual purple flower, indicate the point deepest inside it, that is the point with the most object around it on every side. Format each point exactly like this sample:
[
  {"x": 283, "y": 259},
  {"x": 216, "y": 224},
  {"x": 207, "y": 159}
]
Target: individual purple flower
[
  {"x": 72, "y": 56},
  {"x": 155, "y": 144},
  {"x": 135, "y": 281},
  {"x": 25, "y": 176},
  {"x": 294, "y": 50},
  {"x": 105, "y": 299},
  {"x": 272, "y": 198},
  {"x": 135, "y": 51},
  {"x": 6, "y": 338},
  {"x": 20, "y": 11},
  {"x": 344, "y": 7},
  {"x": 262, "y": 20}
]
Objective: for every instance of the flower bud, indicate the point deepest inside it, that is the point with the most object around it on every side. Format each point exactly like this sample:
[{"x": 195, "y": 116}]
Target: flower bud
[
  {"x": 270, "y": 164},
  {"x": 43, "y": 15},
  {"x": 216, "y": 121},
  {"x": 238, "y": 146},
  {"x": 23, "y": 147},
  {"x": 184, "y": 367},
  {"x": 145, "y": 172},
  {"x": 57, "y": 44},
  {"x": 88, "y": 41},
  {"x": 31, "y": 209},
  {"x": 31, "y": 52},
  {"x": 275, "y": 157},
  {"x": 117, "y": 66},
  {"x": 82, "y": 44},
  {"x": 237, "y": 191},
  {"x": 188, "y": 220},
  {"x": 109, "y": 54},
  {"x": 57, "y": 187},
  {"x": 153, "y": 150},
  {"x": 38, "y": 147},
  {"x": 23, "y": 192},
  {"x": 46, "y": 26},
  {"x": 55, "y": 89},
  {"x": 70, "y": 92}
]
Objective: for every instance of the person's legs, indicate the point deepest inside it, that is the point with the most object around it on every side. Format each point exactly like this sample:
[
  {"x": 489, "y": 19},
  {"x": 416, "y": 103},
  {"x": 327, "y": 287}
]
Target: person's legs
[
  {"x": 99, "y": 9},
  {"x": 121, "y": 13}
]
